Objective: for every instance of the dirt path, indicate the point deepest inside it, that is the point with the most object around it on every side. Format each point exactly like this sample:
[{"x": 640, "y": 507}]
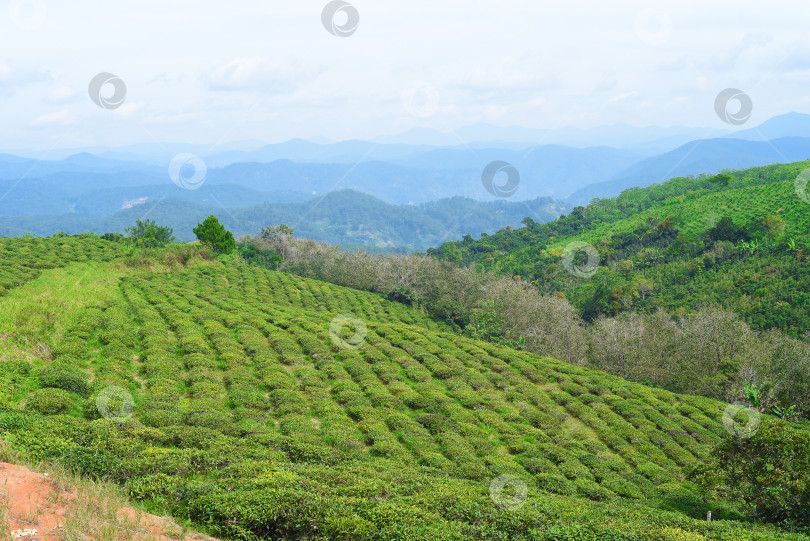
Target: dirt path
[{"x": 35, "y": 509}]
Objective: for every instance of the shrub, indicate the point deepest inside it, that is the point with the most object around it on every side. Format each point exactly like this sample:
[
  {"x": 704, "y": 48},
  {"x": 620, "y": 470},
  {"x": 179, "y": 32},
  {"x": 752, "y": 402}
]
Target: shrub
[
  {"x": 593, "y": 491},
  {"x": 50, "y": 401},
  {"x": 64, "y": 377},
  {"x": 556, "y": 484}
]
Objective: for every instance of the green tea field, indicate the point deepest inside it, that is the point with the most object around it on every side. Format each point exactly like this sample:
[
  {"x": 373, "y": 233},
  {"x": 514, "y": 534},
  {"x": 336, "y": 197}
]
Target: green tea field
[{"x": 260, "y": 405}]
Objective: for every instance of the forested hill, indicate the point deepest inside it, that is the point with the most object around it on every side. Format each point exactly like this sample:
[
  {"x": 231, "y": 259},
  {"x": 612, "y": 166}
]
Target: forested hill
[
  {"x": 345, "y": 217},
  {"x": 738, "y": 240}
]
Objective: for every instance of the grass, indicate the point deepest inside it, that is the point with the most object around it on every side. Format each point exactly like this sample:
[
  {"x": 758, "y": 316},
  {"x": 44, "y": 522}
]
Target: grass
[{"x": 52, "y": 302}]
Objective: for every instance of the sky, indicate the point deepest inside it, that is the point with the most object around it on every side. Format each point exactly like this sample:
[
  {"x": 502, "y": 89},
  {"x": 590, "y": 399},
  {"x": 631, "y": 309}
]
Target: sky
[{"x": 212, "y": 72}]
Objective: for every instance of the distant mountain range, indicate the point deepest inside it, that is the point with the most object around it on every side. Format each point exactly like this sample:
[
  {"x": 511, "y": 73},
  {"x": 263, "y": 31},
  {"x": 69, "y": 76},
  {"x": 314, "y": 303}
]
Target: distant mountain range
[{"x": 414, "y": 168}]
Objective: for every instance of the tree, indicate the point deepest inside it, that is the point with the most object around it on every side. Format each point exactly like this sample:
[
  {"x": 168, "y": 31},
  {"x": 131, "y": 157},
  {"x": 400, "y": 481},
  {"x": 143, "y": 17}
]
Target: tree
[
  {"x": 720, "y": 180},
  {"x": 279, "y": 238},
  {"x": 450, "y": 251},
  {"x": 769, "y": 473},
  {"x": 148, "y": 233},
  {"x": 773, "y": 226},
  {"x": 211, "y": 232},
  {"x": 277, "y": 231},
  {"x": 726, "y": 230}
]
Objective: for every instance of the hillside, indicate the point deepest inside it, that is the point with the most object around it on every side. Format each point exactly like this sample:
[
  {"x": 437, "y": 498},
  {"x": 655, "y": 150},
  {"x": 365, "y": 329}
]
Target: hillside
[
  {"x": 258, "y": 404},
  {"x": 663, "y": 246},
  {"x": 703, "y": 156}
]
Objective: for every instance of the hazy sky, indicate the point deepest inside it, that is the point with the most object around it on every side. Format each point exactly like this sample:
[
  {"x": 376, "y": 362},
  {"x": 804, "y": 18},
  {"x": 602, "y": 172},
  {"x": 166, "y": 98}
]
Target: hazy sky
[{"x": 204, "y": 71}]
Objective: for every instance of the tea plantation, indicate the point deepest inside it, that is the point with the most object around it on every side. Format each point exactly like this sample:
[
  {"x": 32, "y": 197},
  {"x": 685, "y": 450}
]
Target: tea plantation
[{"x": 260, "y": 405}]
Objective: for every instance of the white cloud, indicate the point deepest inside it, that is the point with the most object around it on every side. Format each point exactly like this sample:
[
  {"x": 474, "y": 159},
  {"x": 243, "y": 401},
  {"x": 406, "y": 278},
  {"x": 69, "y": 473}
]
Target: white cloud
[
  {"x": 511, "y": 75},
  {"x": 623, "y": 96},
  {"x": 259, "y": 74},
  {"x": 12, "y": 78},
  {"x": 128, "y": 109},
  {"x": 177, "y": 118},
  {"x": 795, "y": 58},
  {"x": 60, "y": 95},
  {"x": 59, "y": 118}
]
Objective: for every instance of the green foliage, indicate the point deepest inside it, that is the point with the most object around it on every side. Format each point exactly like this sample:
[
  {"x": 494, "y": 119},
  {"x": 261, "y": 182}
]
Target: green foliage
[
  {"x": 726, "y": 230},
  {"x": 148, "y": 234},
  {"x": 254, "y": 256},
  {"x": 769, "y": 473},
  {"x": 62, "y": 376},
  {"x": 786, "y": 414},
  {"x": 50, "y": 401},
  {"x": 113, "y": 237},
  {"x": 753, "y": 394},
  {"x": 249, "y": 420},
  {"x": 489, "y": 324},
  {"x": 211, "y": 232},
  {"x": 405, "y": 295},
  {"x": 665, "y": 246}
]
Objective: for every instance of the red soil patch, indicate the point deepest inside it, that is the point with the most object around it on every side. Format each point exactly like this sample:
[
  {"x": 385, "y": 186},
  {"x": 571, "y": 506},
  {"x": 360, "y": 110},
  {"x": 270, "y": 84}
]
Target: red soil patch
[{"x": 36, "y": 509}]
